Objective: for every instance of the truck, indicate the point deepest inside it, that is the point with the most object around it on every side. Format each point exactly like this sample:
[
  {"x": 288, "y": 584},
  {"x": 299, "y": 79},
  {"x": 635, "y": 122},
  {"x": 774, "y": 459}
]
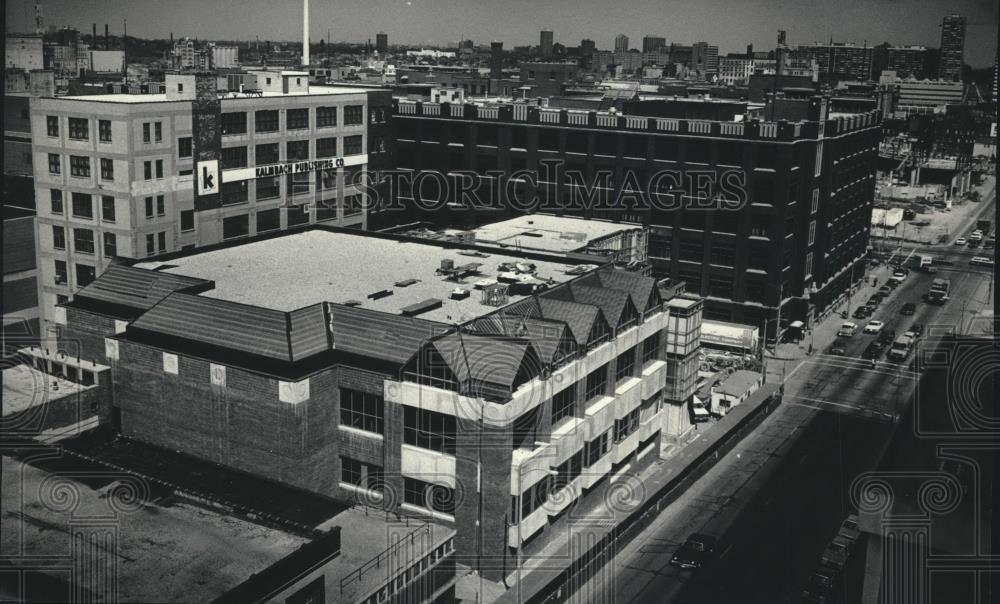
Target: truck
[
  {"x": 901, "y": 347},
  {"x": 925, "y": 260},
  {"x": 938, "y": 293}
]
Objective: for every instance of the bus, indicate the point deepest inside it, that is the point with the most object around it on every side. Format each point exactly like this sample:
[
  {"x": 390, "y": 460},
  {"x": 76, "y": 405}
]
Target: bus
[{"x": 939, "y": 291}]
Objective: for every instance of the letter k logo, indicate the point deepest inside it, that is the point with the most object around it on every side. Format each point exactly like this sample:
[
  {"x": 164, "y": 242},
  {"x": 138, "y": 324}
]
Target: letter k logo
[{"x": 207, "y": 179}]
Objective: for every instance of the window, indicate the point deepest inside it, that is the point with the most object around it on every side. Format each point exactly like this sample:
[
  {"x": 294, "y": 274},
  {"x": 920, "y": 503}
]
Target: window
[
  {"x": 625, "y": 365},
  {"x": 159, "y": 168},
  {"x": 234, "y": 192},
  {"x": 150, "y": 244},
  {"x": 83, "y": 241},
  {"x": 313, "y": 593},
  {"x": 597, "y": 382},
  {"x": 235, "y": 226},
  {"x": 107, "y": 208},
  {"x": 429, "y": 430},
  {"x": 55, "y": 163},
  {"x": 326, "y": 117},
  {"x": 354, "y": 115},
  {"x": 161, "y": 206},
  {"x": 815, "y": 201},
  {"x": 327, "y": 179},
  {"x": 297, "y": 150},
  {"x": 268, "y": 220},
  {"x": 52, "y": 125},
  {"x": 104, "y": 131},
  {"x": 268, "y": 188},
  {"x": 299, "y": 184},
  {"x": 234, "y": 123},
  {"x": 107, "y": 169},
  {"x": 187, "y": 220},
  {"x": 58, "y": 237},
  {"x": 651, "y": 348},
  {"x": 812, "y": 233},
  {"x": 377, "y": 115},
  {"x": 147, "y": 170},
  {"x": 353, "y": 145},
  {"x": 79, "y": 129},
  {"x": 61, "y": 277},
  {"x": 149, "y": 208},
  {"x": 352, "y": 205},
  {"x": 184, "y": 148},
  {"x": 563, "y": 403},
  {"x": 79, "y": 166},
  {"x": 158, "y": 132},
  {"x": 267, "y": 154},
  {"x": 359, "y": 473},
  {"x": 233, "y": 157},
  {"x": 436, "y": 497},
  {"x": 56, "y": 201},
  {"x": 595, "y": 449},
  {"x": 809, "y": 264},
  {"x": 266, "y": 121},
  {"x": 626, "y": 425},
  {"x": 146, "y": 137},
  {"x": 298, "y": 215},
  {"x": 85, "y": 275},
  {"x": 110, "y": 245},
  {"x": 569, "y": 470},
  {"x": 297, "y": 119},
  {"x": 162, "y": 240},
  {"x": 326, "y": 147},
  {"x": 361, "y": 410},
  {"x": 82, "y": 205}
]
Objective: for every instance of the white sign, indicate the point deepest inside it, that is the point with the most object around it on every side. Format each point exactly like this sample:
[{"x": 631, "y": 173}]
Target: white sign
[
  {"x": 208, "y": 177},
  {"x": 295, "y": 167}
]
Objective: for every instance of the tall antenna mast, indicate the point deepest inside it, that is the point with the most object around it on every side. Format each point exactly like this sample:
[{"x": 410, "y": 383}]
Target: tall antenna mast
[{"x": 305, "y": 32}]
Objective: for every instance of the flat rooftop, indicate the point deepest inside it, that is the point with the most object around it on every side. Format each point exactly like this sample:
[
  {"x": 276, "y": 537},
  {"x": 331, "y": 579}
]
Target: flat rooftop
[
  {"x": 167, "y": 550},
  {"x": 301, "y": 269},
  {"x": 162, "y": 97},
  {"x": 25, "y": 387},
  {"x": 548, "y": 233}
]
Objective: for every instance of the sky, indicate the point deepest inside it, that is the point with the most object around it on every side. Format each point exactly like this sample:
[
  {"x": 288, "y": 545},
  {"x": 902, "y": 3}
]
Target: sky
[{"x": 730, "y": 24}]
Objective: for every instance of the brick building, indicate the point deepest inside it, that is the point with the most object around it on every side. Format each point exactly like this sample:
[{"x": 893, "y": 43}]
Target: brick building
[
  {"x": 483, "y": 389},
  {"x": 116, "y": 173},
  {"x": 803, "y": 206}
]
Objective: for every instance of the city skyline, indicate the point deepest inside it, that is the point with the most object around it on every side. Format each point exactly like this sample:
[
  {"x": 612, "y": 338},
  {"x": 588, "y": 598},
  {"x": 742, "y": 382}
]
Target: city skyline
[{"x": 418, "y": 22}]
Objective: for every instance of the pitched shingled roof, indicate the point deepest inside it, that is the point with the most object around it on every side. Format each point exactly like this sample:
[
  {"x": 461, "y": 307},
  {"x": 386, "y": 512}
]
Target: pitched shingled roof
[
  {"x": 138, "y": 287},
  {"x": 380, "y": 335}
]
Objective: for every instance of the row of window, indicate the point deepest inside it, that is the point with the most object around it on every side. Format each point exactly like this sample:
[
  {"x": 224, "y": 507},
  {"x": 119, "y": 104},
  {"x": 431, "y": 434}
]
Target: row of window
[
  {"x": 78, "y": 128},
  {"x": 269, "y": 220},
  {"x": 235, "y": 122},
  {"x": 83, "y": 243},
  {"x": 269, "y": 153},
  {"x": 85, "y": 274}
]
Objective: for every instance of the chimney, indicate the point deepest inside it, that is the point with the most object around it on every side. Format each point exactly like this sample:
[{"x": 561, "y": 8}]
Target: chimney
[
  {"x": 107, "y": 38},
  {"x": 496, "y": 66},
  {"x": 93, "y": 41},
  {"x": 305, "y": 32}
]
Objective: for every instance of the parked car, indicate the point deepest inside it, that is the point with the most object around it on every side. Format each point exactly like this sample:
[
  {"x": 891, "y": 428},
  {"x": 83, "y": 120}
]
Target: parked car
[
  {"x": 961, "y": 241},
  {"x": 918, "y": 329},
  {"x": 900, "y": 273},
  {"x": 981, "y": 261},
  {"x": 873, "y": 351},
  {"x": 908, "y": 309},
  {"x": 821, "y": 585},
  {"x": 697, "y": 551},
  {"x": 849, "y": 528},
  {"x": 885, "y": 290},
  {"x": 862, "y": 312},
  {"x": 886, "y": 336},
  {"x": 837, "y": 553},
  {"x": 839, "y": 347},
  {"x": 847, "y": 330},
  {"x": 974, "y": 243},
  {"x": 875, "y": 300},
  {"x": 989, "y": 244},
  {"x": 874, "y": 326}
]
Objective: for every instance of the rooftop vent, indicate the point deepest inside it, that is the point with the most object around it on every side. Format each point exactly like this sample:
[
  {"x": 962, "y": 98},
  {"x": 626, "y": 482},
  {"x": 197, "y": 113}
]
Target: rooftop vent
[
  {"x": 447, "y": 264},
  {"x": 352, "y": 303},
  {"x": 406, "y": 282},
  {"x": 380, "y": 294},
  {"x": 459, "y": 294},
  {"x": 421, "y": 307}
]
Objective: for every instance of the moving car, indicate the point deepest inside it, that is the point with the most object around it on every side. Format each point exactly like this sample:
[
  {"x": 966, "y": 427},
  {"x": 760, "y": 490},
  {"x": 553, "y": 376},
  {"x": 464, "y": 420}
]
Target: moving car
[
  {"x": 875, "y": 300},
  {"x": 847, "y": 330},
  {"x": 886, "y": 336},
  {"x": 974, "y": 243},
  {"x": 696, "y": 551},
  {"x": 917, "y": 329},
  {"x": 839, "y": 347},
  {"x": 961, "y": 241},
  {"x": 873, "y": 351},
  {"x": 849, "y": 528},
  {"x": 899, "y": 273},
  {"x": 821, "y": 585},
  {"x": 836, "y": 553},
  {"x": 874, "y": 326},
  {"x": 885, "y": 290},
  {"x": 893, "y": 283},
  {"x": 862, "y": 312},
  {"x": 981, "y": 261},
  {"x": 908, "y": 309}
]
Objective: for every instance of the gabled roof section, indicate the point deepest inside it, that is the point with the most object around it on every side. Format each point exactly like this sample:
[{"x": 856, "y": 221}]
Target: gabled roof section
[
  {"x": 138, "y": 287},
  {"x": 549, "y": 337},
  {"x": 479, "y": 359},
  {"x": 214, "y": 322},
  {"x": 641, "y": 289},
  {"x": 612, "y": 302},
  {"x": 380, "y": 335},
  {"x": 579, "y": 317},
  {"x": 307, "y": 332}
]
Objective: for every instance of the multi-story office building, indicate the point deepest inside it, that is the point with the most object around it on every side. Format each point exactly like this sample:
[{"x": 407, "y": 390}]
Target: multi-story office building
[
  {"x": 705, "y": 58},
  {"x": 135, "y": 175},
  {"x": 653, "y": 43},
  {"x": 621, "y": 43},
  {"x": 806, "y": 186},
  {"x": 952, "y": 56},
  {"x": 545, "y": 44},
  {"x": 906, "y": 61},
  {"x": 382, "y": 42},
  {"x": 922, "y": 96},
  {"x": 735, "y": 69},
  {"x": 484, "y": 389},
  {"x": 548, "y": 78},
  {"x": 839, "y": 61},
  {"x": 23, "y": 52}
]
